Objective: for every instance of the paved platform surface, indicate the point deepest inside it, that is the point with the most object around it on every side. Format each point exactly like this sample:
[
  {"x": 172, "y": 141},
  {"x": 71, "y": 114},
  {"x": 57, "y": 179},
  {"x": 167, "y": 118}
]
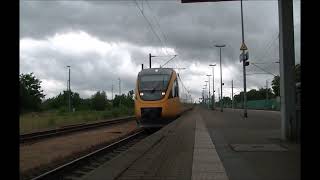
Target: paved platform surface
[
  {"x": 198, "y": 146},
  {"x": 229, "y": 128},
  {"x": 206, "y": 163}
]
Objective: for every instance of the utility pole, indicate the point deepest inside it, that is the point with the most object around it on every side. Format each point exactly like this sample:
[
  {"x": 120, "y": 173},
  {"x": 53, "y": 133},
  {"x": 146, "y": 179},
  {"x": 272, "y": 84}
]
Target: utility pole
[
  {"x": 150, "y": 56},
  {"x": 141, "y": 66},
  {"x": 149, "y": 60},
  {"x": 267, "y": 90},
  {"x": 119, "y": 86},
  {"x": 209, "y": 92},
  {"x": 289, "y": 129},
  {"x": 232, "y": 92},
  {"x": 219, "y": 95},
  {"x": 266, "y": 94},
  {"x": 112, "y": 91},
  {"x": 203, "y": 96},
  {"x": 244, "y": 68},
  {"x": 213, "y": 91},
  {"x": 69, "y": 91},
  {"x": 119, "y": 92},
  {"x": 221, "y": 101}
]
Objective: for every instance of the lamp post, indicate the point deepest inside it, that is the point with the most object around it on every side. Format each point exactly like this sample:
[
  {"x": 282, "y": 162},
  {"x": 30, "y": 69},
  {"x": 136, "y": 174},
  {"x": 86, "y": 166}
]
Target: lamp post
[
  {"x": 221, "y": 103},
  {"x": 245, "y": 114},
  {"x": 203, "y": 96},
  {"x": 213, "y": 98},
  {"x": 209, "y": 90},
  {"x": 69, "y": 90}
]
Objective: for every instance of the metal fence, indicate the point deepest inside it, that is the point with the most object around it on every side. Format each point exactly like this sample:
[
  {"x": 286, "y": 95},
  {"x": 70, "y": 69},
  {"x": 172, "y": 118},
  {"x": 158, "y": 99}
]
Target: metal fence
[{"x": 270, "y": 104}]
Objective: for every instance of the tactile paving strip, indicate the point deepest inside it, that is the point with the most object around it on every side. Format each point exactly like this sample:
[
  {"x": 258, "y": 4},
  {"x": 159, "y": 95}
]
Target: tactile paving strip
[{"x": 206, "y": 161}]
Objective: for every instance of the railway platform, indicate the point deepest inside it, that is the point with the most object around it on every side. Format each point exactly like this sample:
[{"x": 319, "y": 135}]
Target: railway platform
[{"x": 205, "y": 144}]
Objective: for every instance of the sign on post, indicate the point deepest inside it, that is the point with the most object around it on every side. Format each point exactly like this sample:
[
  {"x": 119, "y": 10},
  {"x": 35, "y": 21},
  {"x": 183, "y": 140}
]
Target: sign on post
[{"x": 243, "y": 47}]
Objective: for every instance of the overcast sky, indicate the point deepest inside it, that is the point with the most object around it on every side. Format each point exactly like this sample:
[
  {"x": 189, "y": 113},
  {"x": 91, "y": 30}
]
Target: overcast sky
[{"x": 106, "y": 40}]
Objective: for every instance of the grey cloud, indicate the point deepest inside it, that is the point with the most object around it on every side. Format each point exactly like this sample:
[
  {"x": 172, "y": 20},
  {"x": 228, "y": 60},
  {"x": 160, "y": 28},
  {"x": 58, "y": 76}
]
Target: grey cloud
[{"x": 191, "y": 30}]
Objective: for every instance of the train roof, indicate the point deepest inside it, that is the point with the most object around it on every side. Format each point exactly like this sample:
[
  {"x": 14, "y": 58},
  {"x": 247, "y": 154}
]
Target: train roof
[{"x": 156, "y": 71}]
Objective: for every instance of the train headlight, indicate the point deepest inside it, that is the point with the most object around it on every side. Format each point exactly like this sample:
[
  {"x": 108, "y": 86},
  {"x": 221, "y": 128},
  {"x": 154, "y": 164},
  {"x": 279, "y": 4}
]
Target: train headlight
[
  {"x": 163, "y": 93},
  {"x": 141, "y": 94}
]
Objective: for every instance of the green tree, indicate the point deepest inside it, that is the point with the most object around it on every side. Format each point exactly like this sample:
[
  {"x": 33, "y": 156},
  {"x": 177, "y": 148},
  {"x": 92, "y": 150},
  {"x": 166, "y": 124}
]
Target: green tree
[
  {"x": 124, "y": 100},
  {"x": 276, "y": 80},
  {"x": 276, "y": 85},
  {"x": 263, "y": 93},
  {"x": 254, "y": 94},
  {"x": 30, "y": 93},
  {"x": 99, "y": 101},
  {"x": 85, "y": 104},
  {"x": 260, "y": 94},
  {"x": 238, "y": 97},
  {"x": 61, "y": 101},
  {"x": 226, "y": 101},
  {"x": 119, "y": 99}
]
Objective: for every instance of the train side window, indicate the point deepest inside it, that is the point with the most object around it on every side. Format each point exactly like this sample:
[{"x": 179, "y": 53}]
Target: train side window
[
  {"x": 177, "y": 89},
  {"x": 173, "y": 89}
]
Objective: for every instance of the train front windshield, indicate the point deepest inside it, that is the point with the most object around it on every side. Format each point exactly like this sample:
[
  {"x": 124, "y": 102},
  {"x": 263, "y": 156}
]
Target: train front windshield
[{"x": 153, "y": 86}]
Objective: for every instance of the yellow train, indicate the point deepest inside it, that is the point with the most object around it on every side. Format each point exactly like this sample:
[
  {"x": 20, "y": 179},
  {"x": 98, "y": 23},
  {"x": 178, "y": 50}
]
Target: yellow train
[{"x": 157, "y": 100}]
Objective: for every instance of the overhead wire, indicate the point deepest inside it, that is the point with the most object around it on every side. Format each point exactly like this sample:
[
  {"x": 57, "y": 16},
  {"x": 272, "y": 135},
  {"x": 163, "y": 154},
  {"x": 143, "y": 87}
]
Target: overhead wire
[
  {"x": 160, "y": 29},
  {"x": 150, "y": 25},
  {"x": 263, "y": 69},
  {"x": 163, "y": 35},
  {"x": 157, "y": 22}
]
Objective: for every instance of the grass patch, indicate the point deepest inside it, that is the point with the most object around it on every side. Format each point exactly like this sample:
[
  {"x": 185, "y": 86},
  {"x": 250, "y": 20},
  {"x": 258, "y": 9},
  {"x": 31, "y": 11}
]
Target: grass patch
[{"x": 47, "y": 120}]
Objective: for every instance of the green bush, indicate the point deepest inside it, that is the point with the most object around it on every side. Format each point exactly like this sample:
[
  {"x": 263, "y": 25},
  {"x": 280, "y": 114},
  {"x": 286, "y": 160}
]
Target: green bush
[
  {"x": 51, "y": 122},
  {"x": 115, "y": 112},
  {"x": 99, "y": 101},
  {"x": 62, "y": 109},
  {"x": 106, "y": 114}
]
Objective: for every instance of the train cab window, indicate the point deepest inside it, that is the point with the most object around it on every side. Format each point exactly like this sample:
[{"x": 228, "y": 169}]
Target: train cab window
[
  {"x": 153, "y": 86},
  {"x": 175, "y": 89}
]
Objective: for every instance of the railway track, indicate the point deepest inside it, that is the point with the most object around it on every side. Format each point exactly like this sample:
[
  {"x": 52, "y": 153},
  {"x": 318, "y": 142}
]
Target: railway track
[
  {"x": 81, "y": 166},
  {"x": 35, "y": 136}
]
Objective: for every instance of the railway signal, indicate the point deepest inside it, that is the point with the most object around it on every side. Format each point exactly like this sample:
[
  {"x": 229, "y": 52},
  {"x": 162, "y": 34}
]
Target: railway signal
[{"x": 244, "y": 56}]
